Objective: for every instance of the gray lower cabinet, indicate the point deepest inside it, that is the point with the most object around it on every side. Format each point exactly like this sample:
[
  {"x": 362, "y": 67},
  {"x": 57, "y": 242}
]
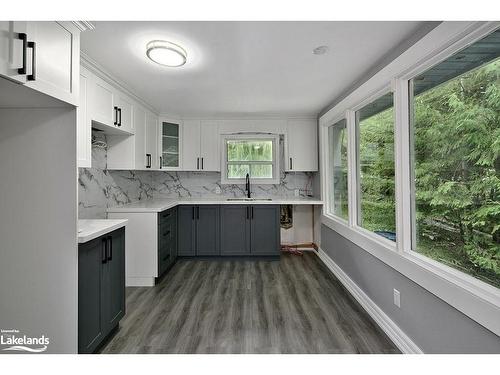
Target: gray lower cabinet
[
  {"x": 101, "y": 288},
  {"x": 186, "y": 230},
  {"x": 235, "y": 230},
  {"x": 167, "y": 239},
  {"x": 250, "y": 230},
  {"x": 265, "y": 230},
  {"x": 207, "y": 230},
  {"x": 198, "y": 230}
]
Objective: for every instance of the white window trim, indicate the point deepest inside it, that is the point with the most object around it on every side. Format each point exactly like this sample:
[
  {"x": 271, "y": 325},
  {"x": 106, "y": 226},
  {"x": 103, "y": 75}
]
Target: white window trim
[
  {"x": 476, "y": 299},
  {"x": 329, "y": 177},
  {"x": 249, "y": 136}
]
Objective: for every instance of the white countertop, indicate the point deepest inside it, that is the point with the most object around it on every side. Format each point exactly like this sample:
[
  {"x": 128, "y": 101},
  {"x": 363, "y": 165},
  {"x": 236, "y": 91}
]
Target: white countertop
[
  {"x": 158, "y": 205},
  {"x": 90, "y": 229}
]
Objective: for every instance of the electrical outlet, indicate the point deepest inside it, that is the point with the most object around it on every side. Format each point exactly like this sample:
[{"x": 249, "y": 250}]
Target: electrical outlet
[
  {"x": 397, "y": 298},
  {"x": 218, "y": 190},
  {"x": 296, "y": 192}
]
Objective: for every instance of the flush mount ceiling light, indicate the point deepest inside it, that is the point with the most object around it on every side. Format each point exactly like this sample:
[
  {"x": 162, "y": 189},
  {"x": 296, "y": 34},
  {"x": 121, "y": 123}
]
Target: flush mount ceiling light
[
  {"x": 166, "y": 53},
  {"x": 321, "y": 50}
]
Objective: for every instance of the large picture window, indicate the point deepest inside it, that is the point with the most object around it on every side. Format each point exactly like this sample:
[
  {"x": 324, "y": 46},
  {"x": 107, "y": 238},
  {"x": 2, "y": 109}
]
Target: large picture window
[
  {"x": 337, "y": 146},
  {"x": 456, "y": 161},
  {"x": 375, "y": 167},
  {"x": 252, "y": 155}
]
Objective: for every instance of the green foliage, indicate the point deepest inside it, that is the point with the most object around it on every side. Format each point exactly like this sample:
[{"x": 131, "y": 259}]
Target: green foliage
[
  {"x": 376, "y": 154},
  {"x": 241, "y": 152},
  {"x": 457, "y": 175},
  {"x": 457, "y": 172}
]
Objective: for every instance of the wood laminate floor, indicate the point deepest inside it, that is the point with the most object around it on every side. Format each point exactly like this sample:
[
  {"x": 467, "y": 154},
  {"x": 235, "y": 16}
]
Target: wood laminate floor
[{"x": 294, "y": 305}]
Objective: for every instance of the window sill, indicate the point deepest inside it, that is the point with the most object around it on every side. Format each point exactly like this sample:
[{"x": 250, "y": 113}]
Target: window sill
[{"x": 474, "y": 298}]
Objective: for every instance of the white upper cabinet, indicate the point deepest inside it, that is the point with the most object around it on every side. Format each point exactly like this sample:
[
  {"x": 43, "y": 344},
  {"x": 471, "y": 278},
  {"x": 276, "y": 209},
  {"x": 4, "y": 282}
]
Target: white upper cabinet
[
  {"x": 152, "y": 158},
  {"x": 169, "y": 144},
  {"x": 110, "y": 110},
  {"x": 44, "y": 55},
  {"x": 209, "y": 146},
  {"x": 191, "y": 145},
  {"x": 55, "y": 56},
  {"x": 301, "y": 147},
  {"x": 200, "y": 141},
  {"x": 84, "y": 127},
  {"x": 140, "y": 157},
  {"x": 103, "y": 109},
  {"x": 125, "y": 113},
  {"x": 13, "y": 47}
]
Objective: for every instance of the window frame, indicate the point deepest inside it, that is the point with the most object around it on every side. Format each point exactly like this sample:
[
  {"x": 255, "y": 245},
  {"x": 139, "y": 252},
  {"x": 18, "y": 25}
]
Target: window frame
[
  {"x": 357, "y": 182},
  {"x": 275, "y": 180},
  {"x": 474, "y": 298},
  {"x": 329, "y": 192}
]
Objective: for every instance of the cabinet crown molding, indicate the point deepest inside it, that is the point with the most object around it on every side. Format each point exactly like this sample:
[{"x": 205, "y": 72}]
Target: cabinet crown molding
[
  {"x": 97, "y": 69},
  {"x": 83, "y": 25}
]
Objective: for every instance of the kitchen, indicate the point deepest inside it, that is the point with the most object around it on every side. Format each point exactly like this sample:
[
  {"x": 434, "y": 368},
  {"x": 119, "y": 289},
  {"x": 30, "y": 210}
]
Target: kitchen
[{"x": 179, "y": 178}]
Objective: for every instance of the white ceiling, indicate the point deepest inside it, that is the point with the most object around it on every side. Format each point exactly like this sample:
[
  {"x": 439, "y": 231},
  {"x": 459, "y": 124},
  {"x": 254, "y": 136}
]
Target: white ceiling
[{"x": 244, "y": 68}]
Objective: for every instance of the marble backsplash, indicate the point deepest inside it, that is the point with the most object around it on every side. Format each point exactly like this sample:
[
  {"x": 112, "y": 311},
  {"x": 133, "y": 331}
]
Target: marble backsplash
[{"x": 99, "y": 188}]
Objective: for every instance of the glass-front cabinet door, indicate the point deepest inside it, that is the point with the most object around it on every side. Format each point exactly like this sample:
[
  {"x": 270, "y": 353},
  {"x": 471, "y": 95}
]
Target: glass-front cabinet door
[{"x": 169, "y": 145}]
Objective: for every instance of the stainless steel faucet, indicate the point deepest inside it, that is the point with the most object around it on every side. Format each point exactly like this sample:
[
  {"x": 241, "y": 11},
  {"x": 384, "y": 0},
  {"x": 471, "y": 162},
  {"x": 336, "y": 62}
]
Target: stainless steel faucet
[{"x": 247, "y": 185}]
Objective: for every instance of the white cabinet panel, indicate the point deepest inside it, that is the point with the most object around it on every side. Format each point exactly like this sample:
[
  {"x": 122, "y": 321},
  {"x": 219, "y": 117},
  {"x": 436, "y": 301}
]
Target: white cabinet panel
[
  {"x": 191, "y": 145},
  {"x": 209, "y": 146},
  {"x": 55, "y": 59},
  {"x": 11, "y": 50},
  {"x": 84, "y": 126},
  {"x": 301, "y": 153}
]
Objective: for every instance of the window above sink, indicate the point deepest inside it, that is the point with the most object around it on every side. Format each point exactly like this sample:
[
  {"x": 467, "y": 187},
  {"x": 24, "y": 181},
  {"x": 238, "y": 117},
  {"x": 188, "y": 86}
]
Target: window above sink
[{"x": 252, "y": 154}]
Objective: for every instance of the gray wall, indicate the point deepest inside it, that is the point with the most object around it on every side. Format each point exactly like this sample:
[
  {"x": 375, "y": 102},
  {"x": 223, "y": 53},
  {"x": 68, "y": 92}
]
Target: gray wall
[
  {"x": 38, "y": 250},
  {"x": 431, "y": 323}
]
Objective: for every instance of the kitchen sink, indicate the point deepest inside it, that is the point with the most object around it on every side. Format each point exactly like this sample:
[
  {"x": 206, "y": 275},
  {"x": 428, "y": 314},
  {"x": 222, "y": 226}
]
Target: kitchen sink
[{"x": 249, "y": 199}]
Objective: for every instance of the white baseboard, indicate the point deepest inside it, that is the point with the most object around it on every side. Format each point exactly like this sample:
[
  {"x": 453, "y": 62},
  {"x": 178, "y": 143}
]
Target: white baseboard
[
  {"x": 398, "y": 337},
  {"x": 140, "y": 281}
]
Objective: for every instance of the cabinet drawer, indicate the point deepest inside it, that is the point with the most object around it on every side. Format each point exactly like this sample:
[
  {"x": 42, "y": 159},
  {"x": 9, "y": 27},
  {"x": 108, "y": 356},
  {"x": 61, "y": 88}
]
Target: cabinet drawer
[
  {"x": 167, "y": 216},
  {"x": 164, "y": 260},
  {"x": 165, "y": 235}
]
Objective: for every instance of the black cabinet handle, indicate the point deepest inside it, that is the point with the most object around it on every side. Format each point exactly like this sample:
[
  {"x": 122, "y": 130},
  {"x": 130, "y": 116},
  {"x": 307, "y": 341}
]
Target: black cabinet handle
[
  {"x": 201, "y": 163},
  {"x": 291, "y": 164},
  {"x": 251, "y": 210},
  {"x": 197, "y": 163},
  {"x": 32, "y": 76},
  {"x": 120, "y": 120},
  {"x": 193, "y": 212},
  {"x": 148, "y": 161},
  {"x": 104, "y": 250},
  {"x": 248, "y": 215},
  {"x": 110, "y": 248},
  {"x": 24, "y": 38},
  {"x": 161, "y": 162},
  {"x": 198, "y": 213},
  {"x": 115, "y": 122}
]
